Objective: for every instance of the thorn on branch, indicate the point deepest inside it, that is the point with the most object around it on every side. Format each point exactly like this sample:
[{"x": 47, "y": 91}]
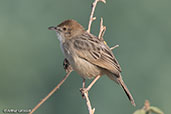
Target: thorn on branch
[{"x": 114, "y": 47}]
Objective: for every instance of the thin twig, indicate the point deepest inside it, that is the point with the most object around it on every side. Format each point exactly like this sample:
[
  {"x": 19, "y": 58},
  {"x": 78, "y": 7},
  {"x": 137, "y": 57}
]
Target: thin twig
[
  {"x": 101, "y": 33},
  {"x": 85, "y": 96},
  {"x": 114, "y": 47},
  {"x": 84, "y": 92},
  {"x": 52, "y": 92},
  {"x": 92, "y": 13},
  {"x": 91, "y": 111},
  {"x": 93, "y": 82},
  {"x": 102, "y": 29}
]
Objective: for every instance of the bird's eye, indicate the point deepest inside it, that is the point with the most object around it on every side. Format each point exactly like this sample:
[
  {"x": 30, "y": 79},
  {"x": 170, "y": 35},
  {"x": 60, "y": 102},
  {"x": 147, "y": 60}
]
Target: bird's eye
[{"x": 64, "y": 28}]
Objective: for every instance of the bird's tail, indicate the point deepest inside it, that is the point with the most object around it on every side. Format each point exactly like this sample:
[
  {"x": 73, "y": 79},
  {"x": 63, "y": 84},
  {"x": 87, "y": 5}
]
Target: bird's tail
[
  {"x": 118, "y": 80},
  {"x": 123, "y": 85}
]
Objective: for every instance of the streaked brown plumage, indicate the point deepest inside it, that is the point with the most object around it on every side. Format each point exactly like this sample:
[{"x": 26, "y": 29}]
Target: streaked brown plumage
[{"x": 88, "y": 55}]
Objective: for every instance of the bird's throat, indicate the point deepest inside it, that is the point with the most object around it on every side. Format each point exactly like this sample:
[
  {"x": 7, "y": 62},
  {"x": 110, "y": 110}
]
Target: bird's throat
[{"x": 60, "y": 37}]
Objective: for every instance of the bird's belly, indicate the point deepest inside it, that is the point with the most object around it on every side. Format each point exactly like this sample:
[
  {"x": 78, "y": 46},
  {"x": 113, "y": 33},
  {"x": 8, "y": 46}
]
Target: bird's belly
[
  {"x": 85, "y": 68},
  {"x": 81, "y": 66}
]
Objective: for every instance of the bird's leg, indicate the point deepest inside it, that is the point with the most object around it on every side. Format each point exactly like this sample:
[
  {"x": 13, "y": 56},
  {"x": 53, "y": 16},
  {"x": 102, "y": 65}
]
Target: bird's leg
[
  {"x": 83, "y": 90},
  {"x": 83, "y": 83}
]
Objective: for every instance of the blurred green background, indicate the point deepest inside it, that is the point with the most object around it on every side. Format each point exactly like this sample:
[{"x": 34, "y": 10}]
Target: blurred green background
[{"x": 31, "y": 59}]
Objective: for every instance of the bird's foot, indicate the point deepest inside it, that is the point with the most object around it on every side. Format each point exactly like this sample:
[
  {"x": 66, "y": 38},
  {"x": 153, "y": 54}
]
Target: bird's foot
[
  {"x": 83, "y": 91},
  {"x": 67, "y": 66}
]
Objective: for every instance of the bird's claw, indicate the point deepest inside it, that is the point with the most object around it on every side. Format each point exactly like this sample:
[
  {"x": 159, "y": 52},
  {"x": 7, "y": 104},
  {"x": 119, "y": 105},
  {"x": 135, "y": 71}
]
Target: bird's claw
[{"x": 83, "y": 91}]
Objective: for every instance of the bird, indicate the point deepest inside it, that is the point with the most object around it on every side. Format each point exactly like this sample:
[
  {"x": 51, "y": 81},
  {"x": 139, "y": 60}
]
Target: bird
[{"x": 89, "y": 56}]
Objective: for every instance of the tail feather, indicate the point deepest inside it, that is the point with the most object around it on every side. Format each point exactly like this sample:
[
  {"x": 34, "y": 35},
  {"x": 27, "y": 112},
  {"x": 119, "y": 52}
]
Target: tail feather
[
  {"x": 118, "y": 80},
  {"x": 123, "y": 85}
]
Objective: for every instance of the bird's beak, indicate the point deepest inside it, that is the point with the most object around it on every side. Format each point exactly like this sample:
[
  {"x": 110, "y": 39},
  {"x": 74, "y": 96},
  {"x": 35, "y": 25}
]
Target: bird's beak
[{"x": 52, "y": 28}]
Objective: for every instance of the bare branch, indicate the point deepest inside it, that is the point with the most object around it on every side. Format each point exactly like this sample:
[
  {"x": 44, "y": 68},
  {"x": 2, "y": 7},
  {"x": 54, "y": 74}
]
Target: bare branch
[
  {"x": 52, "y": 92},
  {"x": 92, "y": 13},
  {"x": 85, "y": 96},
  {"x": 84, "y": 92},
  {"x": 91, "y": 111},
  {"x": 101, "y": 33},
  {"x": 93, "y": 82},
  {"x": 102, "y": 30}
]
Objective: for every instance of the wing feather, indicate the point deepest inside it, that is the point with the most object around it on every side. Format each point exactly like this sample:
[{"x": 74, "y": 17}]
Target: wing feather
[{"x": 93, "y": 50}]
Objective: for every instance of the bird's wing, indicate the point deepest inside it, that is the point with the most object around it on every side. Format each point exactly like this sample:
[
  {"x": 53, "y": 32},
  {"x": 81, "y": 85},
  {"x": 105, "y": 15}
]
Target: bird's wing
[{"x": 91, "y": 49}]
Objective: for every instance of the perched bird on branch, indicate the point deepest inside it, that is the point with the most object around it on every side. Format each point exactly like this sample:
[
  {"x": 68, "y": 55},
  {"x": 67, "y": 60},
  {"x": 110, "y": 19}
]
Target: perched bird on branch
[{"x": 89, "y": 56}]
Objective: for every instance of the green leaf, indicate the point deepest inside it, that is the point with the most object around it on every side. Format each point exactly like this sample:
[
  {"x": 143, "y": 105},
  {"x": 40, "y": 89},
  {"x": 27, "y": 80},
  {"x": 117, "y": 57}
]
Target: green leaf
[
  {"x": 141, "y": 111},
  {"x": 155, "y": 110}
]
